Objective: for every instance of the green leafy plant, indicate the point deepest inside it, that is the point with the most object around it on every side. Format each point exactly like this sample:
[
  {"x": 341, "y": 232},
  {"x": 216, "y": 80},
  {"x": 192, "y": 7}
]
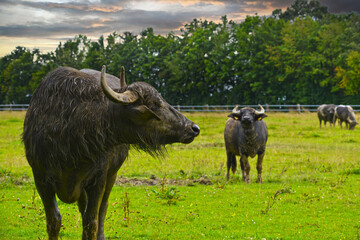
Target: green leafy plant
[
  {"x": 169, "y": 194},
  {"x": 126, "y": 210},
  {"x": 272, "y": 200}
]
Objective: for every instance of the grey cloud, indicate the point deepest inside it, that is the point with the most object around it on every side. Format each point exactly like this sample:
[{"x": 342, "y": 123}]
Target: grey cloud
[
  {"x": 79, "y": 8},
  {"x": 334, "y": 6},
  {"x": 7, "y": 2},
  {"x": 115, "y": 2},
  {"x": 162, "y": 22},
  {"x": 46, "y": 31},
  {"x": 77, "y": 17},
  {"x": 127, "y": 20},
  {"x": 341, "y": 6}
]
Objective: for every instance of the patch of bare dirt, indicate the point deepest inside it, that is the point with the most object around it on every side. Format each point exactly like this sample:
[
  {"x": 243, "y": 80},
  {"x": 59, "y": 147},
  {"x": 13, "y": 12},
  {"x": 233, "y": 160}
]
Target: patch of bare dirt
[{"x": 123, "y": 181}]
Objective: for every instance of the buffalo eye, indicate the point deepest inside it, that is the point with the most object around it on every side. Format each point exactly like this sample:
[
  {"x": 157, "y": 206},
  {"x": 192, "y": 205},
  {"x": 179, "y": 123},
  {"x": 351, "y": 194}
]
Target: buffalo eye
[
  {"x": 260, "y": 116},
  {"x": 235, "y": 116}
]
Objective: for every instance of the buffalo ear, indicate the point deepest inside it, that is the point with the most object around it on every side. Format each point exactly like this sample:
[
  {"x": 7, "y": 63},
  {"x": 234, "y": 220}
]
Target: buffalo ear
[
  {"x": 142, "y": 113},
  {"x": 235, "y": 116},
  {"x": 260, "y": 116}
]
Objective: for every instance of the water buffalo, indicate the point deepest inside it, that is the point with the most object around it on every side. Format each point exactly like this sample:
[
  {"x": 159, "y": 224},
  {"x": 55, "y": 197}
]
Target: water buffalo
[
  {"x": 77, "y": 133},
  {"x": 245, "y": 135},
  {"x": 326, "y": 113},
  {"x": 345, "y": 114}
]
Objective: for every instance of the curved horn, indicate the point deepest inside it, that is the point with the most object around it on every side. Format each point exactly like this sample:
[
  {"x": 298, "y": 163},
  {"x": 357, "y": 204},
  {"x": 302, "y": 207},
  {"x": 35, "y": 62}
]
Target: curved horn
[
  {"x": 124, "y": 98},
  {"x": 235, "y": 109},
  {"x": 262, "y": 111},
  {"x": 122, "y": 78}
]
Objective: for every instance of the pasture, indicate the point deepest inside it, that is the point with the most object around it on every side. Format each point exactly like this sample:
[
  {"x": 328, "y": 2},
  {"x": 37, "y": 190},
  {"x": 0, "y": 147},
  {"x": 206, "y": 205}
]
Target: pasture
[{"x": 310, "y": 190}]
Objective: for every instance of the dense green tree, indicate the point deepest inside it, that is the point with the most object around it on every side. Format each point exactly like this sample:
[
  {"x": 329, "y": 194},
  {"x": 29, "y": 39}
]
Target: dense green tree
[
  {"x": 123, "y": 53},
  {"x": 95, "y": 56},
  {"x": 192, "y": 66},
  {"x": 16, "y": 76},
  {"x": 295, "y": 61},
  {"x": 150, "y": 63},
  {"x": 302, "y": 55},
  {"x": 260, "y": 74},
  {"x": 72, "y": 53},
  {"x": 350, "y": 77},
  {"x": 302, "y": 9},
  {"x": 219, "y": 63},
  {"x": 4, "y": 78},
  {"x": 45, "y": 63}
]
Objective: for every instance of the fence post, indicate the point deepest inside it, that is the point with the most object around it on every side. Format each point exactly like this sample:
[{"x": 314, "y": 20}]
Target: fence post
[
  {"x": 298, "y": 108},
  {"x": 207, "y": 107}
]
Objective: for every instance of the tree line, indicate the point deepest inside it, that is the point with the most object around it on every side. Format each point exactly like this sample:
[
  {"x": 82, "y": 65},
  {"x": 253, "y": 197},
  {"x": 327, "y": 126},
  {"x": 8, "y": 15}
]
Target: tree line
[{"x": 303, "y": 55}]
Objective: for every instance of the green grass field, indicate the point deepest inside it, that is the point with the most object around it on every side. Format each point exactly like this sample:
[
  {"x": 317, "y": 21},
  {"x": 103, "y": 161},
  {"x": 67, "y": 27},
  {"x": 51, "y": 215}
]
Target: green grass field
[{"x": 311, "y": 187}]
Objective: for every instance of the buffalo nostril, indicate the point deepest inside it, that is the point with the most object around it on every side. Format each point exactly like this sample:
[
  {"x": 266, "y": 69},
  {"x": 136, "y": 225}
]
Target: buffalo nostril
[
  {"x": 246, "y": 120},
  {"x": 196, "y": 129}
]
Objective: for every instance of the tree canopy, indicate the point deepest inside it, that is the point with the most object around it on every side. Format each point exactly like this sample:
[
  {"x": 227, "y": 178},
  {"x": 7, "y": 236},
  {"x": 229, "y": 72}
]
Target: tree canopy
[{"x": 303, "y": 55}]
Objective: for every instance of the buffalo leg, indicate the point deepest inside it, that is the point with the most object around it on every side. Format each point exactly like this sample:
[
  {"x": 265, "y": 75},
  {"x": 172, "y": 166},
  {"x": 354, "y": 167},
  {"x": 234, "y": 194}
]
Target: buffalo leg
[
  {"x": 104, "y": 205},
  {"x": 320, "y": 123},
  {"x": 259, "y": 166},
  {"x": 332, "y": 123},
  {"x": 82, "y": 203},
  {"x": 53, "y": 217},
  {"x": 231, "y": 164},
  {"x": 242, "y": 169},
  {"x": 91, "y": 215},
  {"x": 246, "y": 168}
]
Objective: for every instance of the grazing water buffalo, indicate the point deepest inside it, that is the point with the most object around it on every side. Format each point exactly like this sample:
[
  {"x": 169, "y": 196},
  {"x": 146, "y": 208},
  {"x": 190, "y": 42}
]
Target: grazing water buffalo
[
  {"x": 326, "y": 113},
  {"x": 345, "y": 114},
  {"x": 77, "y": 133},
  {"x": 245, "y": 135}
]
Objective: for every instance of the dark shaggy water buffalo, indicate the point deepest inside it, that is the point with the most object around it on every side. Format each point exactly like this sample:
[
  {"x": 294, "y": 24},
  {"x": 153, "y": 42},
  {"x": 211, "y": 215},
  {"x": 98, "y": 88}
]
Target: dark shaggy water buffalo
[
  {"x": 77, "y": 133},
  {"x": 245, "y": 135},
  {"x": 326, "y": 113},
  {"x": 345, "y": 114}
]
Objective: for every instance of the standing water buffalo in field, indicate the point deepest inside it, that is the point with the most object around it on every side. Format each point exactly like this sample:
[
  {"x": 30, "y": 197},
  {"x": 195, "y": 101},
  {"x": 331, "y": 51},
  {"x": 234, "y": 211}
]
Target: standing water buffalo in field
[
  {"x": 326, "y": 113},
  {"x": 77, "y": 133},
  {"x": 245, "y": 135},
  {"x": 345, "y": 114}
]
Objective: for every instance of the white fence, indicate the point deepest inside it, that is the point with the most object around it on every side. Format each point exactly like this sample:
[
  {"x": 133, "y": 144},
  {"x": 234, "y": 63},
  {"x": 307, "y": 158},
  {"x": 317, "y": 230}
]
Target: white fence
[
  {"x": 268, "y": 108},
  {"x": 209, "y": 108},
  {"x": 14, "y": 107},
  {"x": 229, "y": 108}
]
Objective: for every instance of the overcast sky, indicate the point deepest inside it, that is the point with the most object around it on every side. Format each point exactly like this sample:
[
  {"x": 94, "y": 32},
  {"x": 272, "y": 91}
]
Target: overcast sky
[{"x": 43, "y": 24}]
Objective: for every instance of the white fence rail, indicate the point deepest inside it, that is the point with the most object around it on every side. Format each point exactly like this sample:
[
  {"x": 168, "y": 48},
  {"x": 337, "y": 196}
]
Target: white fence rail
[
  {"x": 209, "y": 108},
  {"x": 14, "y": 107},
  {"x": 268, "y": 108}
]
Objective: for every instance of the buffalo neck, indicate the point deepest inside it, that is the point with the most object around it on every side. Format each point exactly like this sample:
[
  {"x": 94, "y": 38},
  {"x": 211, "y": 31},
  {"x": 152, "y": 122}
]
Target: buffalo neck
[
  {"x": 250, "y": 134},
  {"x": 120, "y": 128},
  {"x": 124, "y": 131}
]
